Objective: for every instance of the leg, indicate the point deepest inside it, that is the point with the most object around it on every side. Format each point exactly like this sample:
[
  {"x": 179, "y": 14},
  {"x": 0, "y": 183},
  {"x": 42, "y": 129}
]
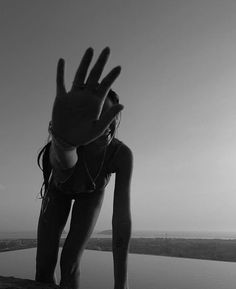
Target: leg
[
  {"x": 84, "y": 216},
  {"x": 50, "y": 226}
]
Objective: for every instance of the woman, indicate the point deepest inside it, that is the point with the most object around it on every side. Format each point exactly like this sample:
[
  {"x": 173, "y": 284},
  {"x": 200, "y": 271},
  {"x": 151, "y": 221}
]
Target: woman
[{"x": 77, "y": 164}]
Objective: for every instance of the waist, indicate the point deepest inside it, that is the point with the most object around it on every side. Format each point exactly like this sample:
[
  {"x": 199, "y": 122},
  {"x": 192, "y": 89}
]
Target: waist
[
  {"x": 78, "y": 185},
  {"x": 56, "y": 192}
]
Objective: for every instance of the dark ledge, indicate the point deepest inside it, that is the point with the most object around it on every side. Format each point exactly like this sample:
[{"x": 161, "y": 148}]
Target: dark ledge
[{"x": 17, "y": 283}]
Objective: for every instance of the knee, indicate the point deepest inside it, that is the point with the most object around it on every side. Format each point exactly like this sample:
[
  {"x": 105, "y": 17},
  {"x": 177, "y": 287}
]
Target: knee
[
  {"x": 70, "y": 275},
  {"x": 45, "y": 276},
  {"x": 45, "y": 267}
]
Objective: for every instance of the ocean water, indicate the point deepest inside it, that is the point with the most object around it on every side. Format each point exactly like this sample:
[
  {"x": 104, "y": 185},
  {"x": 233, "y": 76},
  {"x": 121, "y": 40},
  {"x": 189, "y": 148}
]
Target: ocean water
[
  {"x": 136, "y": 234},
  {"x": 145, "y": 271},
  {"x": 186, "y": 234}
]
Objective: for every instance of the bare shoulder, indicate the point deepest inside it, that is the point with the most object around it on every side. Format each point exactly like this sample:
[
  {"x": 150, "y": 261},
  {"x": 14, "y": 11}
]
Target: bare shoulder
[{"x": 124, "y": 158}]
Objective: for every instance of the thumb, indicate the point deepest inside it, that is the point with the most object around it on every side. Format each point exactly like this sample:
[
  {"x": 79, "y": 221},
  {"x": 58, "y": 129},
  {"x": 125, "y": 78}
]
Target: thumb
[{"x": 108, "y": 117}]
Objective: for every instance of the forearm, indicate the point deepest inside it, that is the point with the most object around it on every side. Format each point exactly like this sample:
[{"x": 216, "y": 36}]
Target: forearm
[
  {"x": 121, "y": 235},
  {"x": 65, "y": 159}
]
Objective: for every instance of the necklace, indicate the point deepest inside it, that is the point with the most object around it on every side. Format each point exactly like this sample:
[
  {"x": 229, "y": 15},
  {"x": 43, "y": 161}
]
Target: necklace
[{"x": 92, "y": 186}]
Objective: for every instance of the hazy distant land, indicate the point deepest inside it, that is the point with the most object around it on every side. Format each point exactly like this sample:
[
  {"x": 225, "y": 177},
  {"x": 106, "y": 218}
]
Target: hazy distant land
[{"x": 210, "y": 249}]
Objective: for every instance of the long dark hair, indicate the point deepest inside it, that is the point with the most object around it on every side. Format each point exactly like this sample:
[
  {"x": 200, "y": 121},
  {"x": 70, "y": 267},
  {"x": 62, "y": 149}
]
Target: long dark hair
[{"x": 43, "y": 156}]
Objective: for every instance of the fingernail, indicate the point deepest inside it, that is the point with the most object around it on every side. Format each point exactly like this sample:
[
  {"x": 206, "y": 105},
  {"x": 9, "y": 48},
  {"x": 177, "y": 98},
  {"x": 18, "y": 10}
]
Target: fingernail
[
  {"x": 107, "y": 49},
  {"x": 118, "y": 68},
  {"x": 90, "y": 49}
]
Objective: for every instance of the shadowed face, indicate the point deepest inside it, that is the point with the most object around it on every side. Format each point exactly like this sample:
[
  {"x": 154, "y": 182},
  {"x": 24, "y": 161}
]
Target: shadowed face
[{"x": 105, "y": 139}]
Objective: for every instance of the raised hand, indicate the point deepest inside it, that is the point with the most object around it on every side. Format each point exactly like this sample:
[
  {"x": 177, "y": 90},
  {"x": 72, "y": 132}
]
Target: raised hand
[{"x": 76, "y": 115}]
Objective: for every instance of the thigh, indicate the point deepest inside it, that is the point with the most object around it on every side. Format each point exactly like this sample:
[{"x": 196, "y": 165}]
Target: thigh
[
  {"x": 53, "y": 217},
  {"x": 85, "y": 212},
  {"x": 55, "y": 211}
]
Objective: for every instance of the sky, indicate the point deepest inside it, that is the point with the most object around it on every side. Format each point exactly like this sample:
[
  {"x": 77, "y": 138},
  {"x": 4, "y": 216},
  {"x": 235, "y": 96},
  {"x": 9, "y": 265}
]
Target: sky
[{"x": 178, "y": 87}]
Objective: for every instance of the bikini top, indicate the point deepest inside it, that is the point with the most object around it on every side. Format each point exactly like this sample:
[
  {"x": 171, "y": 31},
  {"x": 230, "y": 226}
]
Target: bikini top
[{"x": 79, "y": 181}]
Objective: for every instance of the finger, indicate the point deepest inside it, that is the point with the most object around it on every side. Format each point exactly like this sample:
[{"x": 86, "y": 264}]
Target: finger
[
  {"x": 60, "y": 77},
  {"x": 108, "y": 117},
  {"x": 96, "y": 71},
  {"x": 83, "y": 68},
  {"x": 107, "y": 81}
]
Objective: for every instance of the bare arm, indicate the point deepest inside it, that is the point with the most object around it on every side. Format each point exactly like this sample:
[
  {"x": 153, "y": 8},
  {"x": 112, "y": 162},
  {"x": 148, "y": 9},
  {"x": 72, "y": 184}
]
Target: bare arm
[
  {"x": 76, "y": 114},
  {"x": 60, "y": 157},
  {"x": 121, "y": 220},
  {"x": 62, "y": 161}
]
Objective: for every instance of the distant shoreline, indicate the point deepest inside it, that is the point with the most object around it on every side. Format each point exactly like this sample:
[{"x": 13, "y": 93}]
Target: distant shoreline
[
  {"x": 225, "y": 235},
  {"x": 206, "y": 249}
]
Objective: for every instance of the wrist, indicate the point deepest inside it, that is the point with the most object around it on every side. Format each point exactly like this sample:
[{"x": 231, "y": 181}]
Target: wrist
[
  {"x": 58, "y": 142},
  {"x": 61, "y": 158}
]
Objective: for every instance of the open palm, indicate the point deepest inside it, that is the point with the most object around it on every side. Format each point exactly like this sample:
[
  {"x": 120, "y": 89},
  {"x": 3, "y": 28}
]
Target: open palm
[{"x": 76, "y": 115}]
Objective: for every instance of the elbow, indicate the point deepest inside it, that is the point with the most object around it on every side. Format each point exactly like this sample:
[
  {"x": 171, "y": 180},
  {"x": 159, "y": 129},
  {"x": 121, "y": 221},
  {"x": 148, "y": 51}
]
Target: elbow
[
  {"x": 122, "y": 230},
  {"x": 122, "y": 223}
]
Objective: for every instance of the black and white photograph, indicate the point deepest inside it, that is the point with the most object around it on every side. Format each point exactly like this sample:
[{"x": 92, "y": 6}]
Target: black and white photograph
[{"x": 118, "y": 144}]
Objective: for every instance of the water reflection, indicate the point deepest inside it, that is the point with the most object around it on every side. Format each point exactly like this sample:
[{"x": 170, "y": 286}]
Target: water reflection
[{"x": 145, "y": 271}]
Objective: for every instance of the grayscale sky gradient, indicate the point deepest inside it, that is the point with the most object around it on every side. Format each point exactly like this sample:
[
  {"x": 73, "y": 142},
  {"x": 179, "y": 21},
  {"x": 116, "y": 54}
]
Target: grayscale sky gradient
[{"x": 178, "y": 85}]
